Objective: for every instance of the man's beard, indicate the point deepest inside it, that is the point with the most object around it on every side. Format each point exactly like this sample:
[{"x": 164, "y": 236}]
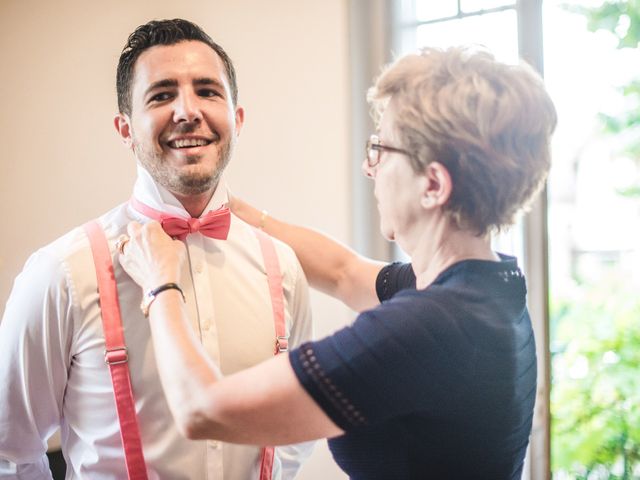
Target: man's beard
[{"x": 179, "y": 182}]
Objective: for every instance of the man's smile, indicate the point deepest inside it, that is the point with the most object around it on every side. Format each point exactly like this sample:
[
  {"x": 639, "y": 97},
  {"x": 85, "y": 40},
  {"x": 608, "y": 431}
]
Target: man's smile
[{"x": 189, "y": 142}]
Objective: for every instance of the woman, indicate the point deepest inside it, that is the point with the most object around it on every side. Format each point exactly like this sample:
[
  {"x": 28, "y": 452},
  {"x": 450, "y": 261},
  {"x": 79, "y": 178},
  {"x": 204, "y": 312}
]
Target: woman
[{"x": 438, "y": 380}]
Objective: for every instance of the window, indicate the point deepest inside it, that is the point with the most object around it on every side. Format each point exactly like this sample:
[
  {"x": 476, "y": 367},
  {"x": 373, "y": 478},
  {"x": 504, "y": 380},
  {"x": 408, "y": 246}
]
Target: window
[
  {"x": 441, "y": 24},
  {"x": 594, "y": 253}
]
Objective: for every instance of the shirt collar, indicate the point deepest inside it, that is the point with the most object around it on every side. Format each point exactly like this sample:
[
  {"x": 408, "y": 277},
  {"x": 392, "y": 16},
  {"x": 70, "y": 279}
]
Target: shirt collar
[{"x": 150, "y": 193}]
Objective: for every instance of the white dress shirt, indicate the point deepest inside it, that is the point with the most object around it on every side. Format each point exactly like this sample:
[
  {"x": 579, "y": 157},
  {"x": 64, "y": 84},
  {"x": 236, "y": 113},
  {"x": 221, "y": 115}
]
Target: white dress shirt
[{"x": 52, "y": 370}]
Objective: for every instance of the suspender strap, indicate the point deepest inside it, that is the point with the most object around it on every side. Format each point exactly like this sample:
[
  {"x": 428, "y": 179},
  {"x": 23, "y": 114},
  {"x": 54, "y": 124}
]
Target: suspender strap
[
  {"x": 274, "y": 278},
  {"x": 115, "y": 354},
  {"x": 267, "y": 455}
]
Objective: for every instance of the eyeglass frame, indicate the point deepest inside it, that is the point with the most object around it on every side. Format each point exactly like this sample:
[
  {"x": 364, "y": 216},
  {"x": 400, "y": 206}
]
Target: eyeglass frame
[{"x": 374, "y": 145}]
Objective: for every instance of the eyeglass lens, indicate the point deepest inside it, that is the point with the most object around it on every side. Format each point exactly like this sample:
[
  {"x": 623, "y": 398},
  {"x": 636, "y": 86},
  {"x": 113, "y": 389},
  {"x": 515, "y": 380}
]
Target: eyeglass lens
[{"x": 373, "y": 153}]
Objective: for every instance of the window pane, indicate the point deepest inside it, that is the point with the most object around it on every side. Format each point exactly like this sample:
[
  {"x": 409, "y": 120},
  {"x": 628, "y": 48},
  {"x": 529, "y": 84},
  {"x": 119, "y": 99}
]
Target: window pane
[
  {"x": 468, "y": 6},
  {"x": 511, "y": 241},
  {"x": 496, "y": 31},
  {"x": 430, "y": 10}
]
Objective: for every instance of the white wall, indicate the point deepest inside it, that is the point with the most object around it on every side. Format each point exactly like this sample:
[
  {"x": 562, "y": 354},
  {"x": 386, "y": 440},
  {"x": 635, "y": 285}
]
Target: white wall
[{"x": 62, "y": 164}]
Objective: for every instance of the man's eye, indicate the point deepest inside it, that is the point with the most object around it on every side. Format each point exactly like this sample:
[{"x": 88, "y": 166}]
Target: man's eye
[
  {"x": 207, "y": 92},
  {"x": 160, "y": 97}
]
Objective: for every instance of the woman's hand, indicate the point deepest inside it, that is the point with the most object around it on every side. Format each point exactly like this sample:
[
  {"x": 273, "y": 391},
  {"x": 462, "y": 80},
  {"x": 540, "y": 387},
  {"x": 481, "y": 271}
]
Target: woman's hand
[
  {"x": 244, "y": 211},
  {"x": 150, "y": 256}
]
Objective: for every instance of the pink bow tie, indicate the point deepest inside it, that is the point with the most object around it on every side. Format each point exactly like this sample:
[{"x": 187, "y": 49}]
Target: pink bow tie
[{"x": 215, "y": 224}]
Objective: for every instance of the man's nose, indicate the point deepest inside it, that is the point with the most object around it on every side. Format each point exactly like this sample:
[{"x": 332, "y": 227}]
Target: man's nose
[{"x": 187, "y": 108}]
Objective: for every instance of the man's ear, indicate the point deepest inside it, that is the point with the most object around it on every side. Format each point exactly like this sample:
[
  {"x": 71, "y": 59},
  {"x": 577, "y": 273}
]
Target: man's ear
[
  {"x": 438, "y": 185},
  {"x": 123, "y": 127},
  {"x": 239, "y": 119}
]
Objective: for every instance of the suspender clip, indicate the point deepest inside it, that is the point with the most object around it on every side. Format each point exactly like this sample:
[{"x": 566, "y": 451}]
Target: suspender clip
[
  {"x": 116, "y": 356},
  {"x": 282, "y": 344}
]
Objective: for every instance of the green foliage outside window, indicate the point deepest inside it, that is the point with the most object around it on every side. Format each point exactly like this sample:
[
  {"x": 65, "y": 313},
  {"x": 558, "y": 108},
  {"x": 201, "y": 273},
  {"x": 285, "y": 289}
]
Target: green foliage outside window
[
  {"x": 595, "y": 398},
  {"x": 596, "y": 389}
]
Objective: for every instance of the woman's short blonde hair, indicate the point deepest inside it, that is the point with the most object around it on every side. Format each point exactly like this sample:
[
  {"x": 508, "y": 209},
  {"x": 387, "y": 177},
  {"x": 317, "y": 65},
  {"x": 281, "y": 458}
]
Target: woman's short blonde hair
[{"x": 487, "y": 122}]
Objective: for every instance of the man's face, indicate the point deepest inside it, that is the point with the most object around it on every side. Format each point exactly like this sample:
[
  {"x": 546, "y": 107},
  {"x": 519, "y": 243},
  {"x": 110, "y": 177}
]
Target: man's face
[{"x": 183, "y": 124}]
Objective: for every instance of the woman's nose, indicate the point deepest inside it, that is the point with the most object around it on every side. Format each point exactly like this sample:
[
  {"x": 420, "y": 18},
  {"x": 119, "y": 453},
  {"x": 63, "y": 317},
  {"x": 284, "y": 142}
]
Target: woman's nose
[{"x": 367, "y": 170}]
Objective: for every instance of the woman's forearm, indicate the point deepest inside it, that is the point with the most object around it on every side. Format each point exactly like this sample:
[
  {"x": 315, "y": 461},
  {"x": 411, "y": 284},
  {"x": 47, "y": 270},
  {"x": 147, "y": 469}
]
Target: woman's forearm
[
  {"x": 186, "y": 372},
  {"x": 329, "y": 265},
  {"x": 263, "y": 405}
]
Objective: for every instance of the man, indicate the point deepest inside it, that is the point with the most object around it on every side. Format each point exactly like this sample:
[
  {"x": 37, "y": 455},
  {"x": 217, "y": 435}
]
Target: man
[{"x": 177, "y": 98}]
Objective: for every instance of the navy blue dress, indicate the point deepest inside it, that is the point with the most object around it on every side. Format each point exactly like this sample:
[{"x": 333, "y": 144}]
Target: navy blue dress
[{"x": 436, "y": 383}]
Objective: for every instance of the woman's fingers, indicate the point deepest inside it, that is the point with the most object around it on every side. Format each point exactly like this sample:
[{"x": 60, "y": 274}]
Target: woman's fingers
[
  {"x": 134, "y": 256},
  {"x": 133, "y": 228},
  {"x": 150, "y": 256}
]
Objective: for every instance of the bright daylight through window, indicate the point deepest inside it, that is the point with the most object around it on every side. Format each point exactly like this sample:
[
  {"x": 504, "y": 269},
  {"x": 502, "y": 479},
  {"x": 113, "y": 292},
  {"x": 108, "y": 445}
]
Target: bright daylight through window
[{"x": 594, "y": 238}]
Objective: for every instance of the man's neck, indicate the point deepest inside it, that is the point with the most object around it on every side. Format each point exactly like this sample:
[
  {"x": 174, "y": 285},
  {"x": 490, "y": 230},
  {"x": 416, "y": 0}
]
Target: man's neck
[{"x": 195, "y": 204}]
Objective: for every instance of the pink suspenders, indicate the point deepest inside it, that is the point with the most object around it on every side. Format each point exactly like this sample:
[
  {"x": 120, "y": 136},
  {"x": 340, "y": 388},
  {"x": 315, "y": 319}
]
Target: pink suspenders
[
  {"x": 116, "y": 355},
  {"x": 274, "y": 277}
]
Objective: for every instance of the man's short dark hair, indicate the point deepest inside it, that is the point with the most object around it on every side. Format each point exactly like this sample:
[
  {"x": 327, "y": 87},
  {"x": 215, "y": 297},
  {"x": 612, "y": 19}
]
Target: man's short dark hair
[{"x": 163, "y": 32}]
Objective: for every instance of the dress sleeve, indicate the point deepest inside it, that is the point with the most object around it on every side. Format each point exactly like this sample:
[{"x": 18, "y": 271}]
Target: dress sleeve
[
  {"x": 393, "y": 278},
  {"x": 389, "y": 363},
  {"x": 35, "y": 341}
]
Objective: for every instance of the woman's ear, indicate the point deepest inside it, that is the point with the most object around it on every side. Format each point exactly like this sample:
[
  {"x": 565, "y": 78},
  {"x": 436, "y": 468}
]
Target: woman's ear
[{"x": 438, "y": 185}]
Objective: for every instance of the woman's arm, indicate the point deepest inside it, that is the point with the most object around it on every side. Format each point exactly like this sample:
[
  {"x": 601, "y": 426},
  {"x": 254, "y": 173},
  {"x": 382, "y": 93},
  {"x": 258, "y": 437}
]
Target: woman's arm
[
  {"x": 263, "y": 405},
  {"x": 329, "y": 265}
]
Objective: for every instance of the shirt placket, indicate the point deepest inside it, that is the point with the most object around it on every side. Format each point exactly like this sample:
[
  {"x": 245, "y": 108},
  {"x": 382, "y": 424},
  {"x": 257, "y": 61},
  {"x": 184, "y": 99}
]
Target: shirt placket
[{"x": 202, "y": 290}]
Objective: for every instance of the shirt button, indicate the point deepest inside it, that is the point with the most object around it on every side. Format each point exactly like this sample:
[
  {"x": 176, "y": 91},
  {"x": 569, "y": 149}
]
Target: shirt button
[
  {"x": 215, "y": 444},
  {"x": 199, "y": 268}
]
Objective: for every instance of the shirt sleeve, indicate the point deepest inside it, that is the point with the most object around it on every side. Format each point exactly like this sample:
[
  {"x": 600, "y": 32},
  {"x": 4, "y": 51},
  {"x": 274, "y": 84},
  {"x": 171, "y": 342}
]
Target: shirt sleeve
[
  {"x": 35, "y": 339},
  {"x": 25, "y": 471},
  {"x": 291, "y": 457},
  {"x": 393, "y": 278}
]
